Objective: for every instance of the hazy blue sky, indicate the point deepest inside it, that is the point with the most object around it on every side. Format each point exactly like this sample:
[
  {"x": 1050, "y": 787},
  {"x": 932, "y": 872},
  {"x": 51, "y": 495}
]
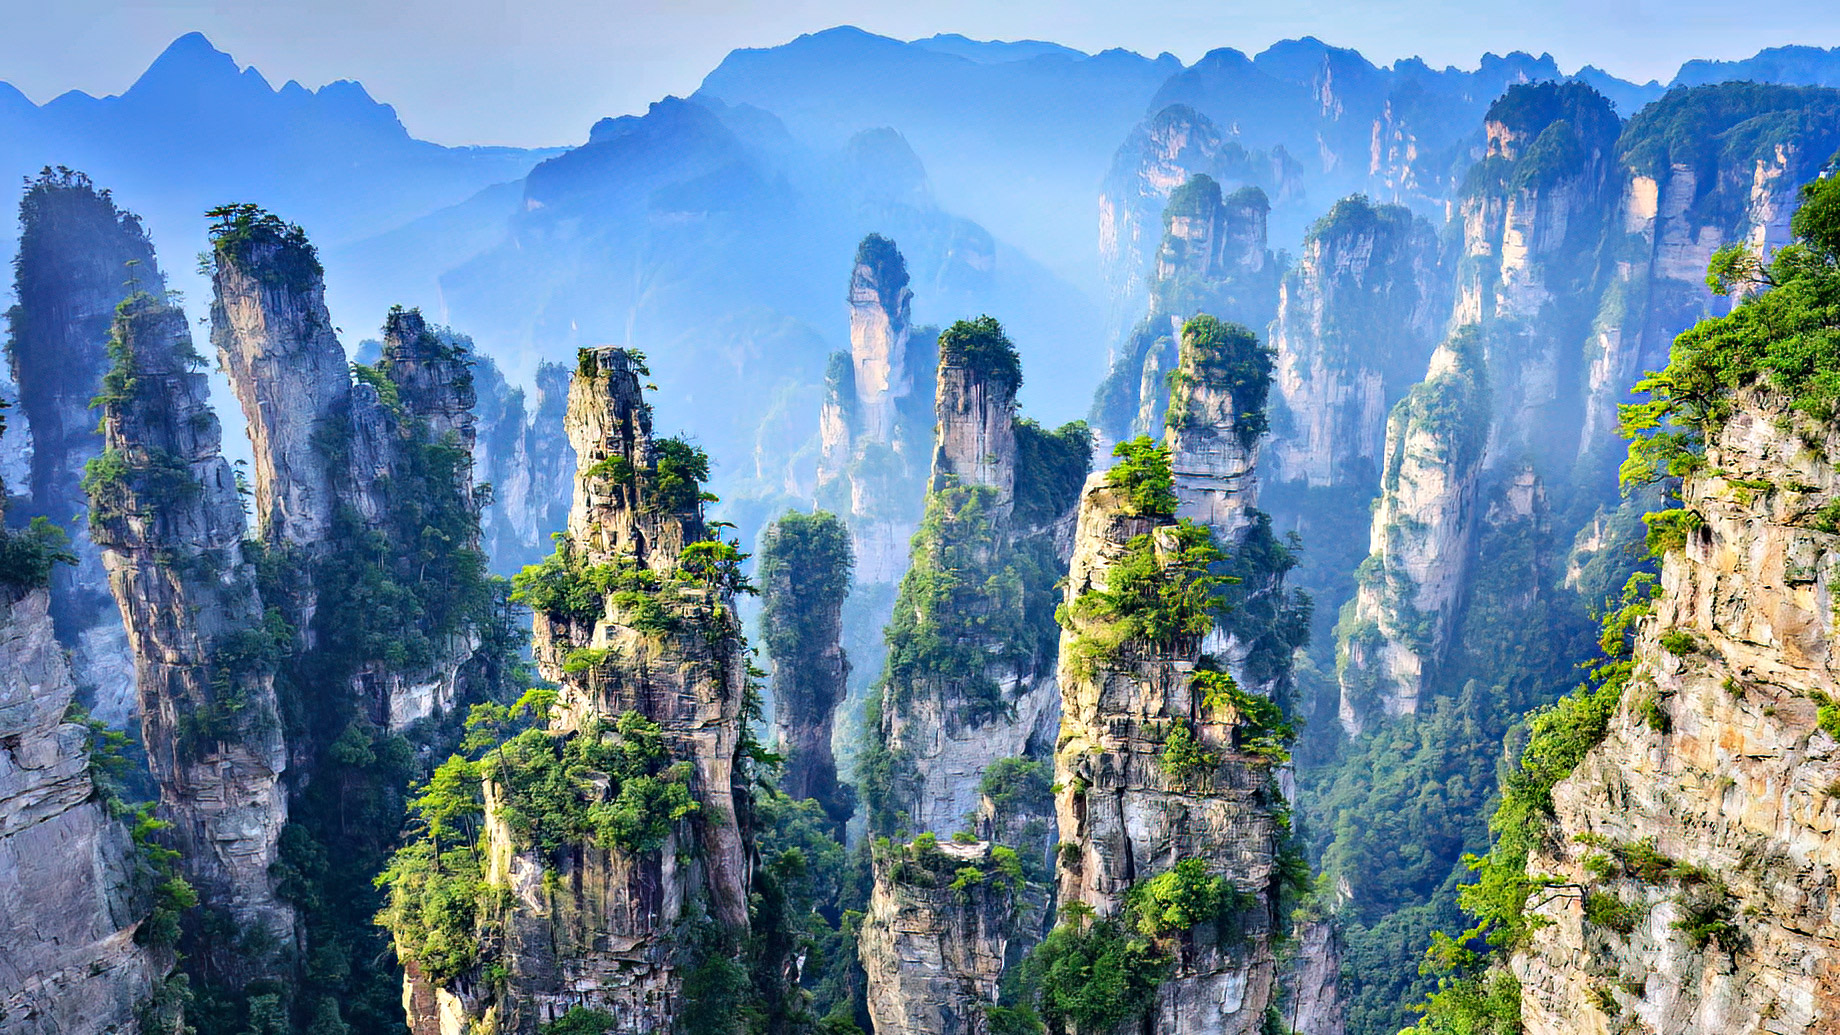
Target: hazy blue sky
[{"x": 541, "y": 71}]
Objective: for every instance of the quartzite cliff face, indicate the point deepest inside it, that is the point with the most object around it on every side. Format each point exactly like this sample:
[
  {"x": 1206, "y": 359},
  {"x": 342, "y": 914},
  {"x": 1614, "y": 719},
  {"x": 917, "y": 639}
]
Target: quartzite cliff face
[
  {"x": 1213, "y": 258},
  {"x": 1695, "y": 848},
  {"x": 1398, "y": 626},
  {"x": 935, "y": 939},
  {"x": 78, "y": 257},
  {"x": 609, "y": 919},
  {"x": 1357, "y": 319},
  {"x": 166, "y": 510},
  {"x": 73, "y": 884},
  {"x": 969, "y": 679},
  {"x": 1127, "y": 815},
  {"x": 337, "y": 459},
  {"x": 871, "y": 446}
]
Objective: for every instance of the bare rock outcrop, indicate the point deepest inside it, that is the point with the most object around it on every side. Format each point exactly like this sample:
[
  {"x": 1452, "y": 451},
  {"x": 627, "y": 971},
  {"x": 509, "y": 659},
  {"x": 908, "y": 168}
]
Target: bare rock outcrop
[
  {"x": 73, "y": 889},
  {"x": 1358, "y": 317},
  {"x": 166, "y": 509},
  {"x": 79, "y": 256},
  {"x": 1398, "y": 626},
  {"x": 1151, "y": 773},
  {"x": 937, "y": 934},
  {"x": 1694, "y": 854}
]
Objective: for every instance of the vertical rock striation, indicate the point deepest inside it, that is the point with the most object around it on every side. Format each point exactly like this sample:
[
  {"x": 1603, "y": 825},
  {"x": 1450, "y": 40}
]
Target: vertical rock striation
[
  {"x": 1153, "y": 770},
  {"x": 1679, "y": 204},
  {"x": 974, "y": 407},
  {"x": 166, "y": 510},
  {"x": 1357, "y": 319},
  {"x": 880, "y": 304},
  {"x": 1213, "y": 258},
  {"x": 1535, "y": 214},
  {"x": 637, "y": 880},
  {"x": 529, "y": 467},
  {"x": 73, "y": 893},
  {"x": 387, "y": 456},
  {"x": 277, "y": 345},
  {"x": 1693, "y": 851},
  {"x": 804, "y": 573},
  {"x": 969, "y": 680},
  {"x": 1159, "y": 156},
  {"x": 1398, "y": 625},
  {"x": 937, "y": 933},
  {"x": 79, "y": 255},
  {"x": 870, "y": 442}
]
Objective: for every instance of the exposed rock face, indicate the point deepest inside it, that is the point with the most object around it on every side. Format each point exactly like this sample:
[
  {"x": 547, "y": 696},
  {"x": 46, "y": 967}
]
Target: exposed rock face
[
  {"x": 275, "y": 339},
  {"x": 1313, "y": 999},
  {"x": 804, "y": 572},
  {"x": 1676, "y": 209},
  {"x": 1216, "y": 413},
  {"x": 974, "y": 434},
  {"x": 1423, "y": 537},
  {"x": 167, "y": 512},
  {"x": 337, "y": 459},
  {"x": 1213, "y": 258},
  {"x": 531, "y": 468},
  {"x": 78, "y": 257},
  {"x": 934, "y": 943},
  {"x": 1159, "y": 156},
  {"x": 597, "y": 925},
  {"x": 71, "y": 892},
  {"x": 874, "y": 422},
  {"x": 880, "y": 303},
  {"x": 1533, "y": 230},
  {"x": 1716, "y": 764},
  {"x": 969, "y": 680},
  {"x": 1126, "y": 816},
  {"x": 1357, "y": 319}
]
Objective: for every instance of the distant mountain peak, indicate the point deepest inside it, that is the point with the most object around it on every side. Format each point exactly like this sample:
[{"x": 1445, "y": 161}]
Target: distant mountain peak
[{"x": 190, "y": 57}]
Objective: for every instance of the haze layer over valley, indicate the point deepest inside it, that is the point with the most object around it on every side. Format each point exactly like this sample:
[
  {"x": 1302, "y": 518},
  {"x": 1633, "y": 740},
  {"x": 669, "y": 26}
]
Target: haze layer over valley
[{"x": 934, "y": 536}]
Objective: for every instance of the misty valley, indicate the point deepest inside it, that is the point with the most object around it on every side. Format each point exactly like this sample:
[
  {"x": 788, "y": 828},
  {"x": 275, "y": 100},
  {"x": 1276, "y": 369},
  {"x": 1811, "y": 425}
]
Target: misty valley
[{"x": 929, "y": 538}]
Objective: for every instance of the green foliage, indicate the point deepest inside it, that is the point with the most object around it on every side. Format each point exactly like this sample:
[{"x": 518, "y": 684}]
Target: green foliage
[
  {"x": 1051, "y": 467},
  {"x": 1730, "y": 126},
  {"x": 1259, "y": 725},
  {"x": 618, "y": 788},
  {"x": 805, "y": 563},
  {"x": 436, "y": 881},
  {"x": 887, "y": 266},
  {"x": 971, "y": 602},
  {"x": 1786, "y": 339},
  {"x": 981, "y": 346},
  {"x": 1609, "y": 911},
  {"x": 1222, "y": 356},
  {"x": 1669, "y": 530},
  {"x": 377, "y": 378},
  {"x": 676, "y": 481},
  {"x": 1679, "y": 643},
  {"x": 1183, "y": 756},
  {"x": 240, "y": 231},
  {"x": 1089, "y": 978},
  {"x": 28, "y": 556},
  {"x": 1016, "y": 785},
  {"x": 1142, "y": 474},
  {"x": 1179, "y": 898},
  {"x": 1152, "y": 597},
  {"x": 580, "y": 1020},
  {"x": 1452, "y": 407}
]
